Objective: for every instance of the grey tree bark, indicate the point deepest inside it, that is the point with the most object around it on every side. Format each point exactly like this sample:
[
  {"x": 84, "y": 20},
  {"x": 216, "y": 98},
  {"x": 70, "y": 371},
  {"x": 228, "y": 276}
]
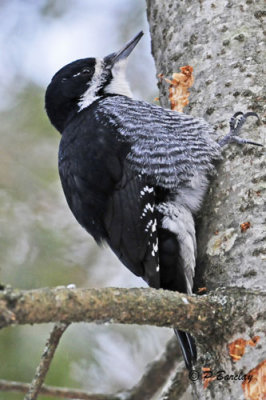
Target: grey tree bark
[{"x": 223, "y": 42}]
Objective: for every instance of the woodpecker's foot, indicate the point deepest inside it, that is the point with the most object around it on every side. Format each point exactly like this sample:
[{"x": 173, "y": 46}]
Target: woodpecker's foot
[{"x": 236, "y": 123}]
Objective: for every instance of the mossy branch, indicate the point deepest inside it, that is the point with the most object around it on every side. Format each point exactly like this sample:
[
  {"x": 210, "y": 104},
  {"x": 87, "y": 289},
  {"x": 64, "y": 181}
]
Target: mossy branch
[{"x": 205, "y": 315}]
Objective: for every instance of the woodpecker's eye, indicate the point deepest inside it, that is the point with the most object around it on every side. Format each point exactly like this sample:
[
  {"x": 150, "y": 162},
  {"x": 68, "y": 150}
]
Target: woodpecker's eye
[{"x": 85, "y": 72}]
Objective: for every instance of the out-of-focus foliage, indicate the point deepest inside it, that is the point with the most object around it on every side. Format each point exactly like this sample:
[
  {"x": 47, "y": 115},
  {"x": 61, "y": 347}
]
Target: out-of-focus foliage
[
  {"x": 34, "y": 230},
  {"x": 40, "y": 242}
]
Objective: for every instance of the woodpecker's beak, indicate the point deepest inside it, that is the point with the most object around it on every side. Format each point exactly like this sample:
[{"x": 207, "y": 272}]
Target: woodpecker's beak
[{"x": 124, "y": 52}]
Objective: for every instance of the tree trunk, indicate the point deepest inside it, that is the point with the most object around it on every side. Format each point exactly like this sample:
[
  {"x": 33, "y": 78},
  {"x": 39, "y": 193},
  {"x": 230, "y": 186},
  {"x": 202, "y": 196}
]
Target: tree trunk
[{"x": 223, "y": 42}]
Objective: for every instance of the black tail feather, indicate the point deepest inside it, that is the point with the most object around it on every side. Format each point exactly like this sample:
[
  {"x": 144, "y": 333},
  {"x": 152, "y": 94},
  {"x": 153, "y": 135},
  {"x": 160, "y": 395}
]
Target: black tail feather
[
  {"x": 172, "y": 277},
  {"x": 188, "y": 347}
]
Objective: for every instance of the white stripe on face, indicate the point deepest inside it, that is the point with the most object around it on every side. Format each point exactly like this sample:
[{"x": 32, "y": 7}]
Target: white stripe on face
[
  {"x": 119, "y": 84},
  {"x": 89, "y": 96}
]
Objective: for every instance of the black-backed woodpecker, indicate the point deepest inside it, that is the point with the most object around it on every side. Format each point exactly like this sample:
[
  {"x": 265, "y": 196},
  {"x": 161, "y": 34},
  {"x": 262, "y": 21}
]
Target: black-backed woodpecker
[{"x": 134, "y": 174}]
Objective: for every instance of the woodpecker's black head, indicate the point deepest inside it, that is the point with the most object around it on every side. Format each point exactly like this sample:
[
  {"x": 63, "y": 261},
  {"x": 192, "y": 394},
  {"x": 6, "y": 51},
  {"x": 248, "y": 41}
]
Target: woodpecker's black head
[{"x": 78, "y": 84}]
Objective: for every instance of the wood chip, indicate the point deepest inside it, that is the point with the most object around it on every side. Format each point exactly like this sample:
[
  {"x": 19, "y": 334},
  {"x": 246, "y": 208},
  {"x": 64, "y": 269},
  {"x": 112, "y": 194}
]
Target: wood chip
[
  {"x": 178, "y": 89},
  {"x": 238, "y": 347},
  {"x": 245, "y": 226},
  {"x": 255, "y": 389}
]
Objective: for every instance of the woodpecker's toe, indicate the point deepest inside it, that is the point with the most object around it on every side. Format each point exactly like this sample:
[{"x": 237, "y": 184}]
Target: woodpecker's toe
[
  {"x": 236, "y": 123},
  {"x": 233, "y": 120}
]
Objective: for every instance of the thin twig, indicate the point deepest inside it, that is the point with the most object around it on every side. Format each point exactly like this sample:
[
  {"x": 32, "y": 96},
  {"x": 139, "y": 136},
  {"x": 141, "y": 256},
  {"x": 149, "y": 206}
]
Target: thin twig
[
  {"x": 157, "y": 373},
  {"x": 179, "y": 384},
  {"x": 46, "y": 360},
  {"x": 64, "y": 393},
  {"x": 155, "y": 377}
]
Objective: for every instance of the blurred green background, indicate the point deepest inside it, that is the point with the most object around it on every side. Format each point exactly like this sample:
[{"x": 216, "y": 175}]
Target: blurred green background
[{"x": 40, "y": 242}]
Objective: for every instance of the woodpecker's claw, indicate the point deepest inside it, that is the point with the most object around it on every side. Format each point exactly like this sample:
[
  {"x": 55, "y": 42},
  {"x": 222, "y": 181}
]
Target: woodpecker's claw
[
  {"x": 235, "y": 127},
  {"x": 234, "y": 120}
]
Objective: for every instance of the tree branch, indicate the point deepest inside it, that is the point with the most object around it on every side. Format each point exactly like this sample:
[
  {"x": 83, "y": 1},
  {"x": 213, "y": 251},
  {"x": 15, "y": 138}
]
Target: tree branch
[
  {"x": 179, "y": 384},
  {"x": 157, "y": 373},
  {"x": 46, "y": 360},
  {"x": 155, "y": 377},
  {"x": 64, "y": 393},
  {"x": 205, "y": 315}
]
